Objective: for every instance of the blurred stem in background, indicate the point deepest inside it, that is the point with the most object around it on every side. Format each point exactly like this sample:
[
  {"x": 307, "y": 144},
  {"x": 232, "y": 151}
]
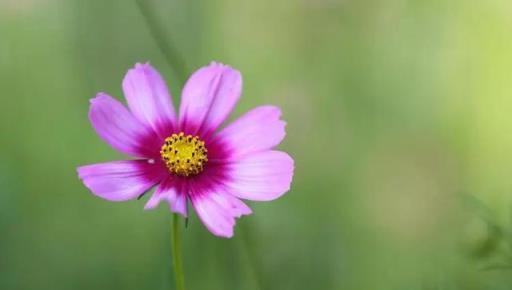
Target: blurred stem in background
[
  {"x": 249, "y": 254},
  {"x": 173, "y": 58},
  {"x": 176, "y": 253}
]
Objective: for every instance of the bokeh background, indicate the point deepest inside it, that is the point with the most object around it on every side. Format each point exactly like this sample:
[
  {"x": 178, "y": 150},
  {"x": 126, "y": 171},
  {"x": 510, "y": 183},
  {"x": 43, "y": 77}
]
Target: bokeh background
[{"x": 399, "y": 120}]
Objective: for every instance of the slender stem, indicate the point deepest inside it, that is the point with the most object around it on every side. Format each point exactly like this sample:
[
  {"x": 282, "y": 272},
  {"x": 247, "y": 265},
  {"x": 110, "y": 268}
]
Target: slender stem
[
  {"x": 177, "y": 63},
  {"x": 176, "y": 253},
  {"x": 173, "y": 58}
]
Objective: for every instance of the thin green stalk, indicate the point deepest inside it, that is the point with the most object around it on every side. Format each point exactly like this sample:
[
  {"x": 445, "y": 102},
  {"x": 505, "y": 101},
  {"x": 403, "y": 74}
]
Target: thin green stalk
[
  {"x": 173, "y": 58},
  {"x": 176, "y": 253},
  {"x": 176, "y": 62}
]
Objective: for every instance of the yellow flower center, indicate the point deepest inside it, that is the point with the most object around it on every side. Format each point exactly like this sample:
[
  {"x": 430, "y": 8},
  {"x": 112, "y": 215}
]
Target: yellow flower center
[{"x": 184, "y": 155}]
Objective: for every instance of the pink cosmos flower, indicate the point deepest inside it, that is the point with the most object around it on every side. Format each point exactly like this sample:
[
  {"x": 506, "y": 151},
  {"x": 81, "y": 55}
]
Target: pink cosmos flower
[{"x": 187, "y": 157}]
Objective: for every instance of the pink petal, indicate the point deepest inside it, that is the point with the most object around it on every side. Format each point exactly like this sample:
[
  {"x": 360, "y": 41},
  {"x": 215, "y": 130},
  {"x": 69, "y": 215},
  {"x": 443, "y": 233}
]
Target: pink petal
[
  {"x": 257, "y": 130},
  {"x": 149, "y": 99},
  {"x": 117, "y": 126},
  {"x": 261, "y": 176},
  {"x": 218, "y": 211},
  {"x": 165, "y": 191},
  {"x": 119, "y": 180},
  {"x": 208, "y": 97}
]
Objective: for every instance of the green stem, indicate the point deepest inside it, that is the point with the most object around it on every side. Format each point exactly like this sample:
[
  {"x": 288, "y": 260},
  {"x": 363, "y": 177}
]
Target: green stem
[
  {"x": 176, "y": 62},
  {"x": 176, "y": 253},
  {"x": 173, "y": 58}
]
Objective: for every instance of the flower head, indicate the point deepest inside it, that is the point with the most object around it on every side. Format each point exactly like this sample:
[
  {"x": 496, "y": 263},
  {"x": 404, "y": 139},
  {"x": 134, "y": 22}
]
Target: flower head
[{"x": 186, "y": 157}]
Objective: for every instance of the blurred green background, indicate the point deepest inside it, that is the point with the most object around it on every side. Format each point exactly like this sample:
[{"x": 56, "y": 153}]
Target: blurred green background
[{"x": 399, "y": 119}]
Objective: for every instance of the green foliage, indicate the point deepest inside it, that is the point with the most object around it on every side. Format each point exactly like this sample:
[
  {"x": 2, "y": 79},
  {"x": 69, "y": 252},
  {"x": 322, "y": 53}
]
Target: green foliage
[{"x": 392, "y": 107}]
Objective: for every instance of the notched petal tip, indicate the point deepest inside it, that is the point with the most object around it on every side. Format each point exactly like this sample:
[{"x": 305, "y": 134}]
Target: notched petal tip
[
  {"x": 142, "y": 66},
  {"x": 271, "y": 110},
  {"x": 219, "y": 211},
  {"x": 80, "y": 171},
  {"x": 262, "y": 176},
  {"x": 99, "y": 97},
  {"x": 118, "y": 127},
  {"x": 148, "y": 97},
  {"x": 220, "y": 69},
  {"x": 118, "y": 180},
  {"x": 214, "y": 63},
  {"x": 208, "y": 97},
  {"x": 259, "y": 129}
]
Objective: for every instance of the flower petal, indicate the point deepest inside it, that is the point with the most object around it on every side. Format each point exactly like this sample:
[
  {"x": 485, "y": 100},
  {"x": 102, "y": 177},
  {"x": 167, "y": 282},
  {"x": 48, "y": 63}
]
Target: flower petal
[
  {"x": 257, "y": 130},
  {"x": 208, "y": 97},
  {"x": 218, "y": 211},
  {"x": 149, "y": 99},
  {"x": 119, "y": 180},
  {"x": 117, "y": 126},
  {"x": 261, "y": 176},
  {"x": 166, "y": 191}
]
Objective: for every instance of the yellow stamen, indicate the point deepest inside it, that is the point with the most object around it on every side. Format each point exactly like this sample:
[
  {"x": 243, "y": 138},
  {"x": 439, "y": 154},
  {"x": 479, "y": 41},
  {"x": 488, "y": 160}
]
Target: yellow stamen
[{"x": 184, "y": 155}]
